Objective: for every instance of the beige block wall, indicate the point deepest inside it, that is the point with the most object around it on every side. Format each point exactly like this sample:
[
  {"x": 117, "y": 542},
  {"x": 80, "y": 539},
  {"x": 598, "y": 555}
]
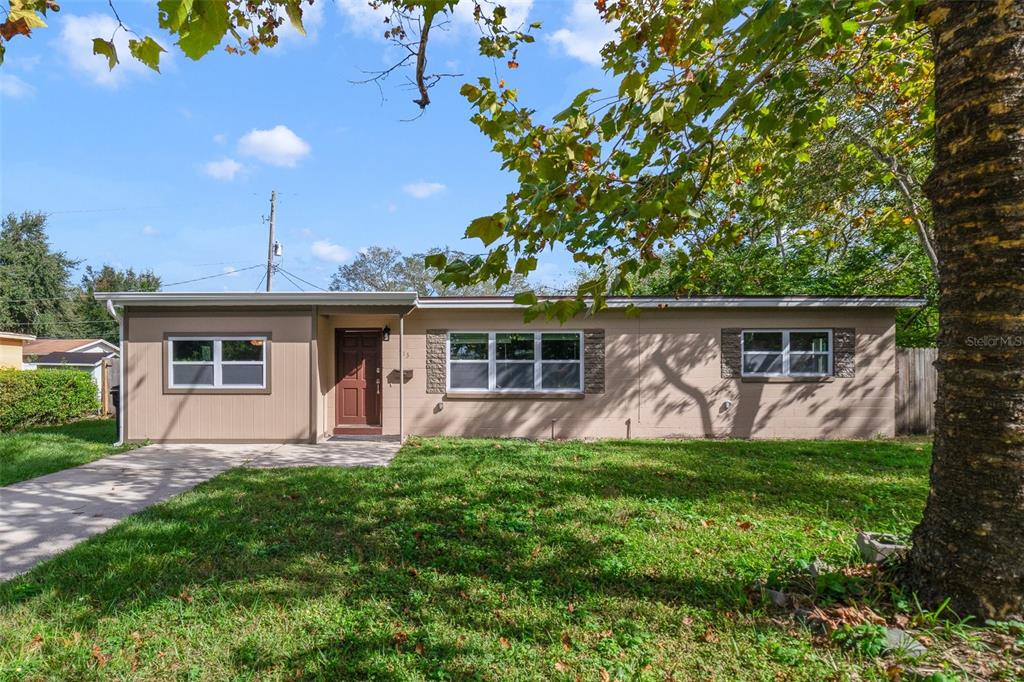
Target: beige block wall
[
  {"x": 10, "y": 353},
  {"x": 282, "y": 415},
  {"x": 663, "y": 376}
]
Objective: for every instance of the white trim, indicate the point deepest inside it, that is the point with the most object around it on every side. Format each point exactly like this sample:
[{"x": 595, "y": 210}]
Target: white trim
[
  {"x": 295, "y": 298},
  {"x": 702, "y": 302},
  {"x": 15, "y": 336},
  {"x": 217, "y": 362},
  {"x": 410, "y": 298},
  {"x": 786, "y": 353},
  {"x": 492, "y": 361}
]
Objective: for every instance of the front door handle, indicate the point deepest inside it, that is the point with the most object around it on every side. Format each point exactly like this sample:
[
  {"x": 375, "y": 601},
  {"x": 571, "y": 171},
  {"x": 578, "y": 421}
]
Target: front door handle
[{"x": 378, "y": 386}]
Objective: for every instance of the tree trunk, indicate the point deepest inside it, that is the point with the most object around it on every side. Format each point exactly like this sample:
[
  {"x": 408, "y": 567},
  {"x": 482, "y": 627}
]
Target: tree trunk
[{"x": 970, "y": 546}]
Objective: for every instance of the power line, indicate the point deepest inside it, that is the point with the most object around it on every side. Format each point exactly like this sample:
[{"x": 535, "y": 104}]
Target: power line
[
  {"x": 285, "y": 275},
  {"x": 315, "y": 286},
  {"x": 219, "y": 274}
]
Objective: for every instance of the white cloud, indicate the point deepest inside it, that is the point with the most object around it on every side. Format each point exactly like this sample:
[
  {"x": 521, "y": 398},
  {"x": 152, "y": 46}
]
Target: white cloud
[
  {"x": 362, "y": 17},
  {"x": 220, "y": 138},
  {"x": 278, "y": 146},
  {"x": 75, "y": 43},
  {"x": 329, "y": 251},
  {"x": 150, "y": 231},
  {"x": 587, "y": 35},
  {"x": 517, "y": 11},
  {"x": 15, "y": 88},
  {"x": 225, "y": 169},
  {"x": 422, "y": 189},
  {"x": 230, "y": 271}
]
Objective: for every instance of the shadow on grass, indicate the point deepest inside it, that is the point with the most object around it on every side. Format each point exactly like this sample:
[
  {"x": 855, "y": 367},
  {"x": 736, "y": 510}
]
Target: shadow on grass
[{"x": 471, "y": 532}]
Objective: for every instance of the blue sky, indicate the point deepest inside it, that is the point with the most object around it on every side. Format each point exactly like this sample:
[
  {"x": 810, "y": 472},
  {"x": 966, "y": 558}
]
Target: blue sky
[{"x": 173, "y": 171}]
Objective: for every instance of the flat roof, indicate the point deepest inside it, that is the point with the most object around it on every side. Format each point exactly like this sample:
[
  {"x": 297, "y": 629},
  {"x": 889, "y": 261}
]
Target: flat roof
[
  {"x": 16, "y": 336},
  {"x": 411, "y": 299}
]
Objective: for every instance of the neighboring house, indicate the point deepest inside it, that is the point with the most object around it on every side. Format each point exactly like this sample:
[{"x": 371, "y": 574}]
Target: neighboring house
[
  {"x": 11, "y": 345},
  {"x": 89, "y": 355},
  {"x": 215, "y": 367}
]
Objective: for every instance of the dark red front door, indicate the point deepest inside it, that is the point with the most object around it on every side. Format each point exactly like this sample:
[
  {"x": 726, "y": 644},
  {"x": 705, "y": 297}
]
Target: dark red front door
[{"x": 357, "y": 393}]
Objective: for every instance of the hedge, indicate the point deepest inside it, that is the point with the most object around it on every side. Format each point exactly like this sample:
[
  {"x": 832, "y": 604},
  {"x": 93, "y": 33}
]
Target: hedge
[{"x": 44, "y": 396}]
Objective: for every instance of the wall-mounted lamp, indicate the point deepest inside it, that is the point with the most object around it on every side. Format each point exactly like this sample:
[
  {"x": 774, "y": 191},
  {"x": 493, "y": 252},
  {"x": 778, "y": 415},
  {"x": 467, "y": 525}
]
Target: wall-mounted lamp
[{"x": 387, "y": 333}]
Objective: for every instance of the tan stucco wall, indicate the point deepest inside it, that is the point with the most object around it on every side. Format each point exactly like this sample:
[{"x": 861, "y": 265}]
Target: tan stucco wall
[
  {"x": 281, "y": 415},
  {"x": 10, "y": 353},
  {"x": 663, "y": 374}
]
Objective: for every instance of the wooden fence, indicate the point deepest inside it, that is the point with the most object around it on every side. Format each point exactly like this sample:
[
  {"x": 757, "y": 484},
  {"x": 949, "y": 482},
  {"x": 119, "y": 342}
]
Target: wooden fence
[{"x": 916, "y": 381}]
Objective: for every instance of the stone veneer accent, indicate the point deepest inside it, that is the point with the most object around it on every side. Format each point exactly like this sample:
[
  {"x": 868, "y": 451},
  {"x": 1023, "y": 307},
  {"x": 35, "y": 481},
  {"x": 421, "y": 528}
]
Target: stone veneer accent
[
  {"x": 844, "y": 343},
  {"x": 593, "y": 360},
  {"x": 437, "y": 363},
  {"x": 732, "y": 365}
]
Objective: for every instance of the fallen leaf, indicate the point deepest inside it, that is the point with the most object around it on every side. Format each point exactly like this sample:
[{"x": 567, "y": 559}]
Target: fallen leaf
[
  {"x": 460, "y": 641},
  {"x": 185, "y": 596},
  {"x": 559, "y": 666},
  {"x": 687, "y": 621},
  {"x": 604, "y": 675},
  {"x": 420, "y": 648},
  {"x": 744, "y": 525},
  {"x": 100, "y": 657},
  {"x": 536, "y": 552},
  {"x": 503, "y": 642},
  {"x": 571, "y": 608},
  {"x": 36, "y": 643},
  {"x": 709, "y": 636},
  {"x": 566, "y": 641},
  {"x": 707, "y": 523}
]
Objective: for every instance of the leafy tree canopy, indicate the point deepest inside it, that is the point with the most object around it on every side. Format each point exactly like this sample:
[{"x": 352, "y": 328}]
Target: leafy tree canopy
[
  {"x": 108, "y": 278},
  {"x": 387, "y": 269}
]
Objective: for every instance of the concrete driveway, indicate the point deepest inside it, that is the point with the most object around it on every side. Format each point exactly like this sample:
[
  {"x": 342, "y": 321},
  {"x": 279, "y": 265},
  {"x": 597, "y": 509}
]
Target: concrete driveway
[{"x": 44, "y": 516}]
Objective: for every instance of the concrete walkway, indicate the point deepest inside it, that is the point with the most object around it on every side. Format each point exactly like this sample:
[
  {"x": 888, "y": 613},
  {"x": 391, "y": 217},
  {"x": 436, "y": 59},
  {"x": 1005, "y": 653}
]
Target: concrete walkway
[{"x": 44, "y": 516}]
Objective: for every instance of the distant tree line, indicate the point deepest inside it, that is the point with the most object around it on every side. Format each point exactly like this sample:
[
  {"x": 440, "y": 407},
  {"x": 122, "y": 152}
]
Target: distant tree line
[{"x": 37, "y": 295}]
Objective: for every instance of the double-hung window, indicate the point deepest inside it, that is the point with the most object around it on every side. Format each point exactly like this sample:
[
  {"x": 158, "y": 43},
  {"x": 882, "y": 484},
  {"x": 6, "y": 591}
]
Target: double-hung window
[
  {"x": 787, "y": 352},
  {"x": 515, "y": 361},
  {"x": 217, "y": 362}
]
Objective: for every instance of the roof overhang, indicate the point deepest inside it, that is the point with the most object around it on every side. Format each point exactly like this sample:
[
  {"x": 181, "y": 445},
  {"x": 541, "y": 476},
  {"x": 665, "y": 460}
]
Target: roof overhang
[
  {"x": 248, "y": 299},
  {"x": 16, "y": 336},
  {"x": 483, "y": 303}
]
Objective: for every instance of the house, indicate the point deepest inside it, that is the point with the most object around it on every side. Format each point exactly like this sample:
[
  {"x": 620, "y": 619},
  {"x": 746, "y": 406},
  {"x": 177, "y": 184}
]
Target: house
[
  {"x": 94, "y": 356},
  {"x": 11, "y": 344},
  {"x": 304, "y": 367}
]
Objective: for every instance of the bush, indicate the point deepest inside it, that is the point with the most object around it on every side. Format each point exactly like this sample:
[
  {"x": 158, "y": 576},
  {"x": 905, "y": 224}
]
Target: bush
[{"x": 44, "y": 396}]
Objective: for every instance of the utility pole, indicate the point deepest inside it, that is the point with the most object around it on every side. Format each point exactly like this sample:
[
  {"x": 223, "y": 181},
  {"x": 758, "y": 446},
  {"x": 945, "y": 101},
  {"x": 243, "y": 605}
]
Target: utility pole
[{"x": 270, "y": 241}]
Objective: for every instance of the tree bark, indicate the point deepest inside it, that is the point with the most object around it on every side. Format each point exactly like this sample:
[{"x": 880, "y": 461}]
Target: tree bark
[{"x": 969, "y": 547}]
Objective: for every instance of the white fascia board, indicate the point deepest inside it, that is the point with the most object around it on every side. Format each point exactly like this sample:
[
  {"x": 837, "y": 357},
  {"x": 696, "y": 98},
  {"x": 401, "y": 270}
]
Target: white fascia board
[
  {"x": 233, "y": 299},
  {"x": 705, "y": 302}
]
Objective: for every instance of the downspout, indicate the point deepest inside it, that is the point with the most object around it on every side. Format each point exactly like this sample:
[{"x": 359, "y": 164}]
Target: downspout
[
  {"x": 120, "y": 371},
  {"x": 401, "y": 377}
]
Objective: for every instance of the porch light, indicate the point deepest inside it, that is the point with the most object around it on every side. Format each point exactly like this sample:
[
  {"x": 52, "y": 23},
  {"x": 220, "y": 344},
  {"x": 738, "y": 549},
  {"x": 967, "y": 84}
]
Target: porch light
[{"x": 387, "y": 333}]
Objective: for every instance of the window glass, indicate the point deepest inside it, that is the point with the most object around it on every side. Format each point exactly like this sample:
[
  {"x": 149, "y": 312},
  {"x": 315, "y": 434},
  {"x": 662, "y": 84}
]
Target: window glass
[
  {"x": 560, "y": 375},
  {"x": 560, "y": 346},
  {"x": 762, "y": 341},
  {"x": 193, "y": 350},
  {"x": 468, "y": 375},
  {"x": 192, "y": 375},
  {"x": 810, "y": 363},
  {"x": 762, "y": 363},
  {"x": 242, "y": 375},
  {"x": 513, "y": 346},
  {"x": 513, "y": 375},
  {"x": 468, "y": 346},
  {"x": 808, "y": 342},
  {"x": 240, "y": 350}
]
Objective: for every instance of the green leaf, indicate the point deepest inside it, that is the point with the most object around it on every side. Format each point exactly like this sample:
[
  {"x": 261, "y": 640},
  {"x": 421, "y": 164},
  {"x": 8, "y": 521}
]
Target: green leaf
[
  {"x": 850, "y": 27},
  {"x": 293, "y": 9},
  {"x": 146, "y": 51},
  {"x": 470, "y": 92},
  {"x": 107, "y": 49},
  {"x": 525, "y": 298},
  {"x": 525, "y": 266},
  {"x": 200, "y": 25},
  {"x": 436, "y": 260},
  {"x": 828, "y": 25},
  {"x": 487, "y": 228}
]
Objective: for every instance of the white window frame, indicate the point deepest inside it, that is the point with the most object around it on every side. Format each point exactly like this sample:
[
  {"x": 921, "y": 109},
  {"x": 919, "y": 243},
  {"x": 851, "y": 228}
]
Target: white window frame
[
  {"x": 786, "y": 353},
  {"x": 492, "y": 362},
  {"x": 218, "y": 362}
]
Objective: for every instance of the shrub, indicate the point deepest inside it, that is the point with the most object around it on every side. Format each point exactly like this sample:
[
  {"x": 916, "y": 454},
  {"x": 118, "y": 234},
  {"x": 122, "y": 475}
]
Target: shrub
[{"x": 44, "y": 396}]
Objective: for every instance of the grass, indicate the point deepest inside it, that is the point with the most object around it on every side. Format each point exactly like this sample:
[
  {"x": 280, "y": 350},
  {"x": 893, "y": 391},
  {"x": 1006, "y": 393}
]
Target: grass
[
  {"x": 45, "y": 449},
  {"x": 470, "y": 559}
]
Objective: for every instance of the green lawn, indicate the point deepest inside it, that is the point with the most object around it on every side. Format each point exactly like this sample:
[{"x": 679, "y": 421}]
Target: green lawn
[
  {"x": 471, "y": 559},
  {"x": 44, "y": 449}
]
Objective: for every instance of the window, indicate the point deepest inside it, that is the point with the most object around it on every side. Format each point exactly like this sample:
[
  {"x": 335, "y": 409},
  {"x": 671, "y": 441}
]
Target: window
[
  {"x": 797, "y": 352},
  {"x": 515, "y": 361},
  {"x": 217, "y": 362}
]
